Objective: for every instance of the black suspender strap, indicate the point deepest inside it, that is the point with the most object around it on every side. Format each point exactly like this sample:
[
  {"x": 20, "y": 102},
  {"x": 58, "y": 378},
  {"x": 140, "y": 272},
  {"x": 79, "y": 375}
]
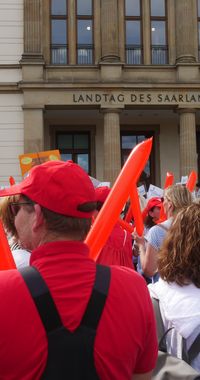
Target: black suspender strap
[
  {"x": 47, "y": 308},
  {"x": 42, "y": 298},
  {"x": 98, "y": 297}
]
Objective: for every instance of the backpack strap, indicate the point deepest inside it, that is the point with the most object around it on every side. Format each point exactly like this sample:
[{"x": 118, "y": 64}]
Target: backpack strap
[
  {"x": 161, "y": 333},
  {"x": 47, "y": 308},
  {"x": 190, "y": 354}
]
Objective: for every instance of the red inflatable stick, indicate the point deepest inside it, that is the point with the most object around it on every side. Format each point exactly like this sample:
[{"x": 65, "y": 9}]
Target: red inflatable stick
[
  {"x": 169, "y": 180},
  {"x": 12, "y": 181},
  {"x": 6, "y": 258},
  {"x": 129, "y": 214},
  {"x": 135, "y": 203},
  {"x": 191, "y": 181},
  {"x": 109, "y": 213},
  {"x": 126, "y": 226}
]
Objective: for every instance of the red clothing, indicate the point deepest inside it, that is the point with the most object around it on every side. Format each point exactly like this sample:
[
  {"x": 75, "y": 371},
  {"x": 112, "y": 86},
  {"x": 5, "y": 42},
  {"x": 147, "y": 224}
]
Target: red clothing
[
  {"x": 118, "y": 249},
  {"x": 126, "y": 339}
]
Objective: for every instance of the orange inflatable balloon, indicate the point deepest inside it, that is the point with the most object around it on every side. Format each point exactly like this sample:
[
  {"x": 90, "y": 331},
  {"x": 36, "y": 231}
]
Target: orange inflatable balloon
[
  {"x": 129, "y": 214},
  {"x": 138, "y": 220},
  {"x": 169, "y": 180},
  {"x": 117, "y": 197},
  {"x": 12, "y": 181},
  {"x": 191, "y": 181},
  {"x": 126, "y": 226},
  {"x": 6, "y": 258}
]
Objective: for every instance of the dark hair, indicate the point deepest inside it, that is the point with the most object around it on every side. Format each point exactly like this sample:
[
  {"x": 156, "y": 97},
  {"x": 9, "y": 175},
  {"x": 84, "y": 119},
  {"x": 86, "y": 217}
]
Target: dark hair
[{"x": 148, "y": 221}]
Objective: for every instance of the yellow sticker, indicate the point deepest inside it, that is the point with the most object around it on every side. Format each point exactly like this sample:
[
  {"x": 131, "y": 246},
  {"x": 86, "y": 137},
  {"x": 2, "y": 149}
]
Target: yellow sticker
[
  {"x": 26, "y": 160},
  {"x": 52, "y": 157}
]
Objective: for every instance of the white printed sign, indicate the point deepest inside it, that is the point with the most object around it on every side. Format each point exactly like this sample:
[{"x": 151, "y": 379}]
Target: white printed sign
[{"x": 154, "y": 191}]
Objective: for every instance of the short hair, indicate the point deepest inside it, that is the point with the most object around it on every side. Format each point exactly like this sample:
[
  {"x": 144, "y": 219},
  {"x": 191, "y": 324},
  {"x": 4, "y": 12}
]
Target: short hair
[
  {"x": 179, "y": 257},
  {"x": 75, "y": 228},
  {"x": 67, "y": 226},
  {"x": 179, "y": 195}
]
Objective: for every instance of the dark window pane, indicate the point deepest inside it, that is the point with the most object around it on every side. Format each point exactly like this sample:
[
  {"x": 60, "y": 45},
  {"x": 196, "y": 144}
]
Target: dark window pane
[
  {"x": 84, "y": 7},
  {"x": 66, "y": 156},
  {"x": 157, "y": 7},
  {"x": 59, "y": 31},
  {"x": 133, "y": 33},
  {"x": 83, "y": 161},
  {"x": 198, "y": 8},
  {"x": 84, "y": 32},
  {"x": 140, "y": 139},
  {"x": 158, "y": 36},
  {"x": 132, "y": 8},
  {"x": 65, "y": 142},
  {"x": 128, "y": 142},
  {"x": 80, "y": 141},
  {"x": 59, "y": 7}
]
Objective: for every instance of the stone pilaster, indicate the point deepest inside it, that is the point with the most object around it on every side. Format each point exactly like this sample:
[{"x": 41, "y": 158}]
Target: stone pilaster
[
  {"x": 188, "y": 150},
  {"x": 186, "y": 24},
  {"x": 112, "y": 152},
  {"x": 32, "y": 30},
  {"x": 109, "y": 31},
  {"x": 33, "y": 129}
]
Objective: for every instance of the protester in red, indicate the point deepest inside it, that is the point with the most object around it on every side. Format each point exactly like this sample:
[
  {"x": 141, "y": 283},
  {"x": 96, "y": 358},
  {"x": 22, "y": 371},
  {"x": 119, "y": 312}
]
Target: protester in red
[
  {"x": 118, "y": 248},
  {"x": 64, "y": 316}
]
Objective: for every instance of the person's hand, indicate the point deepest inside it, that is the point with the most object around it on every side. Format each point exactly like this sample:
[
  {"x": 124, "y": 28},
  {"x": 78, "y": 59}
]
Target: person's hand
[{"x": 140, "y": 240}]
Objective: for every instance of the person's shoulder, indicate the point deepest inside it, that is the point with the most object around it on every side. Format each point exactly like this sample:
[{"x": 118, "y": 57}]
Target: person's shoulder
[{"x": 127, "y": 278}]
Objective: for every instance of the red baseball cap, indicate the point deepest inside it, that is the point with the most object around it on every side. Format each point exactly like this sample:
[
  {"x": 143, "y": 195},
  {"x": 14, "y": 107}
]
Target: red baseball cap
[
  {"x": 58, "y": 186},
  {"x": 153, "y": 202},
  {"x": 102, "y": 193}
]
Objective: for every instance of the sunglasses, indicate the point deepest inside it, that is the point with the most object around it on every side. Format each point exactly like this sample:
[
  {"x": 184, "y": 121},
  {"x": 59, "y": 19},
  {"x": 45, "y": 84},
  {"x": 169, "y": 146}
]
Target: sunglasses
[{"x": 15, "y": 206}]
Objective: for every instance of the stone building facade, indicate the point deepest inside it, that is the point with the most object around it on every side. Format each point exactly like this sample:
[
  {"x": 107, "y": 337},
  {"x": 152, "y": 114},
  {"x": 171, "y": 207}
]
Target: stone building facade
[{"x": 93, "y": 78}]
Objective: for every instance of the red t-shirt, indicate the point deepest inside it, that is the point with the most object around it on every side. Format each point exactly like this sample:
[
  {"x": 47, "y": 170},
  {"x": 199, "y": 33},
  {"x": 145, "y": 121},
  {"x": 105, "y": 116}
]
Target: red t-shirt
[
  {"x": 126, "y": 338},
  {"x": 118, "y": 249}
]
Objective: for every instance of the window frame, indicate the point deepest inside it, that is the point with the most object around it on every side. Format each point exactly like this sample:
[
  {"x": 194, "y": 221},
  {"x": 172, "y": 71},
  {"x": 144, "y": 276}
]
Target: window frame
[
  {"x": 84, "y": 17},
  {"x": 164, "y": 19},
  {"x": 75, "y": 151},
  {"x": 60, "y": 17},
  {"x": 134, "y": 18}
]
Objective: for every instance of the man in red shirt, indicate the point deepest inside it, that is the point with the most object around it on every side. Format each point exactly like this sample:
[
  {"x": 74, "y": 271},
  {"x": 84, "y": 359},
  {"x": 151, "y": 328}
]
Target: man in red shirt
[{"x": 64, "y": 316}]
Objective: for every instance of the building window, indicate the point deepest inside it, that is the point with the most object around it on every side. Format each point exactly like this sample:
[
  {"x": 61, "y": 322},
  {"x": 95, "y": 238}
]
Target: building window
[
  {"x": 85, "y": 44},
  {"x": 75, "y": 147},
  {"x": 128, "y": 141},
  {"x": 159, "y": 48},
  {"x": 198, "y": 10},
  {"x": 133, "y": 27},
  {"x": 59, "y": 44}
]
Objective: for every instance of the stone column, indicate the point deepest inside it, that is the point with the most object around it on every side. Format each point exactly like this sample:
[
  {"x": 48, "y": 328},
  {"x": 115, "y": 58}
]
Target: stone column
[
  {"x": 186, "y": 28},
  {"x": 32, "y": 58},
  {"x": 146, "y": 27},
  {"x": 109, "y": 31},
  {"x": 112, "y": 151},
  {"x": 188, "y": 150},
  {"x": 33, "y": 129},
  {"x": 32, "y": 29}
]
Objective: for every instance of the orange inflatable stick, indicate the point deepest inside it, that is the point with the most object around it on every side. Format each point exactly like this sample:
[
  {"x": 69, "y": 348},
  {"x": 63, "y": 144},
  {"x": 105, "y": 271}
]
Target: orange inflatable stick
[
  {"x": 169, "y": 180},
  {"x": 129, "y": 214},
  {"x": 136, "y": 211},
  {"x": 191, "y": 181},
  {"x": 109, "y": 213},
  {"x": 12, "y": 181},
  {"x": 6, "y": 258},
  {"x": 126, "y": 226}
]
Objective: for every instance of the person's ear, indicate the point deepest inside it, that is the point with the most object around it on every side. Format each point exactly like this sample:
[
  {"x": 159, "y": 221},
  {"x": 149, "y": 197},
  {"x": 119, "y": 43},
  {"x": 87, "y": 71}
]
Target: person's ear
[{"x": 38, "y": 220}]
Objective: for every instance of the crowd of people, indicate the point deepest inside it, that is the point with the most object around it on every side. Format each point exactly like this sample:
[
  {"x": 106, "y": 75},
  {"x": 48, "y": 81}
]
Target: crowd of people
[{"x": 63, "y": 315}]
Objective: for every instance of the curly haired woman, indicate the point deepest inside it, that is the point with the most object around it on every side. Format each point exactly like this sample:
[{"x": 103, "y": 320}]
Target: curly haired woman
[{"x": 178, "y": 288}]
